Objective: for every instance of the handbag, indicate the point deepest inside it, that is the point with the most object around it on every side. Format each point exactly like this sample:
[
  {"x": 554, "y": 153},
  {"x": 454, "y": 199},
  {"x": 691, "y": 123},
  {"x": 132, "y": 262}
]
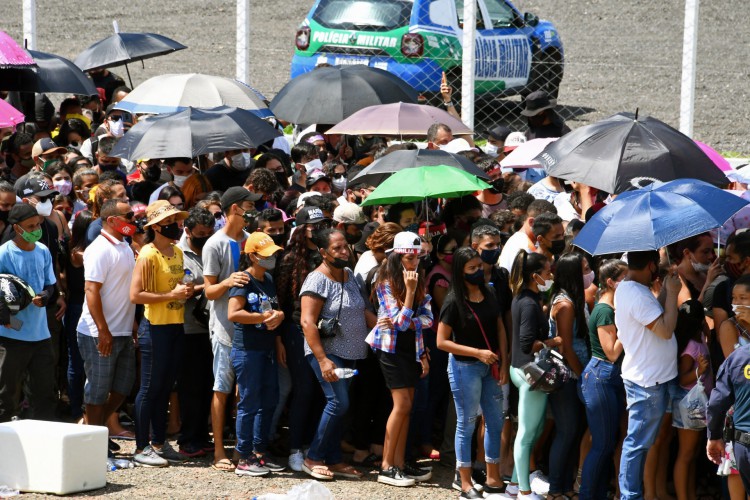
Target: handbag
[
  {"x": 548, "y": 372},
  {"x": 494, "y": 367},
  {"x": 329, "y": 328}
]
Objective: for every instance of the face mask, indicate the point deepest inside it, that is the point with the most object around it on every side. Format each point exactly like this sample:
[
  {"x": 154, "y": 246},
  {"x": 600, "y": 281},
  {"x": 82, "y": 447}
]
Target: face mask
[
  {"x": 44, "y": 208},
  {"x": 27, "y": 163},
  {"x": 588, "y": 279},
  {"x": 241, "y": 161},
  {"x": 74, "y": 144},
  {"x": 117, "y": 128},
  {"x": 63, "y": 187},
  {"x": 281, "y": 178},
  {"x": 199, "y": 242},
  {"x": 107, "y": 167},
  {"x": 122, "y": 227},
  {"x": 737, "y": 307},
  {"x": 475, "y": 278},
  {"x": 490, "y": 256},
  {"x": 698, "y": 267},
  {"x": 353, "y": 239},
  {"x": 339, "y": 184},
  {"x": 4, "y": 215},
  {"x": 171, "y": 231},
  {"x": 412, "y": 228},
  {"x": 546, "y": 286},
  {"x": 31, "y": 236},
  {"x": 249, "y": 215},
  {"x": 448, "y": 258},
  {"x": 179, "y": 180},
  {"x": 220, "y": 222},
  {"x": 490, "y": 149},
  {"x": 46, "y": 164},
  {"x": 497, "y": 186},
  {"x": 338, "y": 263},
  {"x": 153, "y": 173},
  {"x": 316, "y": 164},
  {"x": 557, "y": 247},
  {"x": 323, "y": 156},
  {"x": 279, "y": 239},
  {"x": 268, "y": 263}
]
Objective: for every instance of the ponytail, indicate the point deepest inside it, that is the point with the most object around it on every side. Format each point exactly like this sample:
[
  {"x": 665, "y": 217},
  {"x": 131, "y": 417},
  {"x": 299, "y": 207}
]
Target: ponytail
[{"x": 524, "y": 266}]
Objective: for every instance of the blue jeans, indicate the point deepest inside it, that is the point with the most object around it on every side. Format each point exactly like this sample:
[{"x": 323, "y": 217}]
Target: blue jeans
[
  {"x": 258, "y": 383},
  {"x": 646, "y": 408},
  {"x": 603, "y": 395},
  {"x": 567, "y": 411},
  {"x": 473, "y": 388},
  {"x": 326, "y": 444},
  {"x": 76, "y": 375},
  {"x": 304, "y": 390},
  {"x": 161, "y": 349}
]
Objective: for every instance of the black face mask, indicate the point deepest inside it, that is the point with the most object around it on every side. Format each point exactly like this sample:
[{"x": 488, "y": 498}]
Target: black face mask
[
  {"x": 4, "y": 215},
  {"x": 490, "y": 256},
  {"x": 281, "y": 178},
  {"x": 199, "y": 242},
  {"x": 557, "y": 247},
  {"x": 497, "y": 186},
  {"x": 279, "y": 239},
  {"x": 152, "y": 173},
  {"x": 353, "y": 239},
  {"x": 339, "y": 263},
  {"x": 323, "y": 155},
  {"x": 171, "y": 231},
  {"x": 475, "y": 278}
]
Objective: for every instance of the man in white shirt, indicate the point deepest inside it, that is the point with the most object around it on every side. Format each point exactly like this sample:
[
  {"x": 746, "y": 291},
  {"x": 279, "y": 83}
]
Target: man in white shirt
[
  {"x": 105, "y": 330},
  {"x": 524, "y": 238},
  {"x": 650, "y": 364}
]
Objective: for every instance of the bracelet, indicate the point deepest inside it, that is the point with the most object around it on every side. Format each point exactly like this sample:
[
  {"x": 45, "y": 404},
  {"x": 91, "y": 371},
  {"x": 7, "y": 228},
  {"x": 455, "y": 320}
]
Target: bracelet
[{"x": 448, "y": 104}]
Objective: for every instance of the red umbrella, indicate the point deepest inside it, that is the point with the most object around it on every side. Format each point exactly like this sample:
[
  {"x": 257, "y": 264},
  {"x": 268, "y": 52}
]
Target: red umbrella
[{"x": 11, "y": 54}]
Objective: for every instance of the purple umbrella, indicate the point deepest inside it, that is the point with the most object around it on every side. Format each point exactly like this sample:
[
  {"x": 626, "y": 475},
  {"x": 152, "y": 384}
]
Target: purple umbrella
[
  {"x": 9, "y": 116},
  {"x": 11, "y": 54},
  {"x": 397, "y": 119}
]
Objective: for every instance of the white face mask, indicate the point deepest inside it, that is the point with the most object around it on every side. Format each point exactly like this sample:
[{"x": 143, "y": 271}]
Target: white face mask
[
  {"x": 490, "y": 149},
  {"x": 63, "y": 186},
  {"x": 588, "y": 279},
  {"x": 241, "y": 161},
  {"x": 179, "y": 180},
  {"x": 698, "y": 267},
  {"x": 117, "y": 128},
  {"x": 268, "y": 263},
  {"x": 44, "y": 208},
  {"x": 546, "y": 286},
  {"x": 737, "y": 307},
  {"x": 316, "y": 164}
]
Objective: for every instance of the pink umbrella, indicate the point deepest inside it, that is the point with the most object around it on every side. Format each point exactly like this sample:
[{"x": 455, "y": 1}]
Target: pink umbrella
[
  {"x": 523, "y": 156},
  {"x": 397, "y": 119},
  {"x": 715, "y": 157},
  {"x": 11, "y": 54},
  {"x": 9, "y": 116}
]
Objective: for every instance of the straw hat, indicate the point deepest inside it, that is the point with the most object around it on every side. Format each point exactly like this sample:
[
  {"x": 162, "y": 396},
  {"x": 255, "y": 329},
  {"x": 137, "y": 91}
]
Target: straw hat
[{"x": 160, "y": 210}]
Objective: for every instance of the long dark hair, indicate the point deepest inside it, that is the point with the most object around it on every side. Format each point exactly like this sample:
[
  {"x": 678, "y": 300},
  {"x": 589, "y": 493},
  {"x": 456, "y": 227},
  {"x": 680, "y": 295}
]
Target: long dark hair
[
  {"x": 569, "y": 279},
  {"x": 690, "y": 317},
  {"x": 292, "y": 269},
  {"x": 524, "y": 266},
  {"x": 461, "y": 256},
  {"x": 392, "y": 271},
  {"x": 78, "y": 231}
]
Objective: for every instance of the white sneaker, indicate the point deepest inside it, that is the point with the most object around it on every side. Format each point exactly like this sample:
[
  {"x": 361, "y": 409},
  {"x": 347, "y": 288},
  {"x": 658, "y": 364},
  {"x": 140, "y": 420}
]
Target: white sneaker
[
  {"x": 539, "y": 483},
  {"x": 530, "y": 496},
  {"x": 296, "y": 459},
  {"x": 511, "y": 490}
]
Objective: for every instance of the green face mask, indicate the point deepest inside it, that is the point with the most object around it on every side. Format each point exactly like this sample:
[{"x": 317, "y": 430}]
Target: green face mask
[
  {"x": 47, "y": 164},
  {"x": 31, "y": 236}
]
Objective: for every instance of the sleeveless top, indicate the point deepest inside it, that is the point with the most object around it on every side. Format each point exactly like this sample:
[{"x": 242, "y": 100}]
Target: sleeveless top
[{"x": 580, "y": 345}]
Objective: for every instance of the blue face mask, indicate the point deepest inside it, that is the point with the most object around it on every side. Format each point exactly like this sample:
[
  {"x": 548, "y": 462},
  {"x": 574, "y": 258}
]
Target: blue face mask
[{"x": 490, "y": 256}]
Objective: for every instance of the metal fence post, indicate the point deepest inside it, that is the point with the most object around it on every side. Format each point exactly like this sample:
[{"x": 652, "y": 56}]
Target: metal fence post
[
  {"x": 689, "y": 51},
  {"x": 243, "y": 42},
  {"x": 467, "y": 69},
  {"x": 29, "y": 24}
]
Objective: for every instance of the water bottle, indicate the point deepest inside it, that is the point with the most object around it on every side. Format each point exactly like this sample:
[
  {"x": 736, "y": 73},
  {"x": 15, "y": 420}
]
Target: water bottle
[
  {"x": 345, "y": 372},
  {"x": 187, "y": 279},
  {"x": 111, "y": 467},
  {"x": 122, "y": 463},
  {"x": 265, "y": 305}
]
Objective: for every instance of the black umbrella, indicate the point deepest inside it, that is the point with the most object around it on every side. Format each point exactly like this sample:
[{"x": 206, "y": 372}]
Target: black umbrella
[
  {"x": 327, "y": 95},
  {"x": 53, "y": 74},
  {"x": 395, "y": 161},
  {"x": 123, "y": 48},
  {"x": 193, "y": 132},
  {"x": 625, "y": 152}
]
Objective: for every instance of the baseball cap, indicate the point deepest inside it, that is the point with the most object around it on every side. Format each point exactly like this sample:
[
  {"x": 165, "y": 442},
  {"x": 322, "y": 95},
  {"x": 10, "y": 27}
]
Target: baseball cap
[
  {"x": 44, "y": 146},
  {"x": 361, "y": 245},
  {"x": 432, "y": 229},
  {"x": 20, "y": 212},
  {"x": 238, "y": 194},
  {"x": 310, "y": 215},
  {"x": 457, "y": 146},
  {"x": 36, "y": 186},
  {"x": 406, "y": 242},
  {"x": 499, "y": 133},
  {"x": 315, "y": 176},
  {"x": 262, "y": 244},
  {"x": 514, "y": 140},
  {"x": 349, "y": 213},
  {"x": 301, "y": 199}
]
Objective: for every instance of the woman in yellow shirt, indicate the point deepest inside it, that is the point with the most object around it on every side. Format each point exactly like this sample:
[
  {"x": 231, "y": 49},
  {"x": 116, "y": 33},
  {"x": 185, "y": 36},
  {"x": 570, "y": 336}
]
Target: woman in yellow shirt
[{"x": 158, "y": 283}]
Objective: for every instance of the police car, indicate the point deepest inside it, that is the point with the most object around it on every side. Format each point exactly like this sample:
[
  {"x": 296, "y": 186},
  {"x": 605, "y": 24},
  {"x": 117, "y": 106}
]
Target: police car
[{"x": 418, "y": 40}]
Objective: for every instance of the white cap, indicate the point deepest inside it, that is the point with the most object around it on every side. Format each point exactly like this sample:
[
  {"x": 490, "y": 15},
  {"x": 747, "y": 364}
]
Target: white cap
[
  {"x": 514, "y": 140},
  {"x": 349, "y": 213},
  {"x": 456, "y": 146},
  {"x": 407, "y": 242},
  {"x": 304, "y": 196}
]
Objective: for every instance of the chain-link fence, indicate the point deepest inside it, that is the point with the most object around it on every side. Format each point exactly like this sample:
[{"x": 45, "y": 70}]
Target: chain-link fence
[{"x": 599, "y": 58}]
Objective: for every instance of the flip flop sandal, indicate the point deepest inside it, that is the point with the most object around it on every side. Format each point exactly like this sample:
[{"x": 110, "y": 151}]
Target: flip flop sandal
[
  {"x": 347, "y": 472},
  {"x": 318, "y": 472},
  {"x": 224, "y": 465}
]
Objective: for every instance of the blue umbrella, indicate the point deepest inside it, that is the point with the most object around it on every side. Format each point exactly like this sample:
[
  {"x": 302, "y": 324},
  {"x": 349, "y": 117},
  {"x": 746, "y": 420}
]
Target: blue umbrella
[{"x": 656, "y": 216}]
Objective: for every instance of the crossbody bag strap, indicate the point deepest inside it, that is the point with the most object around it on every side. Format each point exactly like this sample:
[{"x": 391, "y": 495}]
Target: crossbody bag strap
[
  {"x": 341, "y": 302},
  {"x": 481, "y": 329}
]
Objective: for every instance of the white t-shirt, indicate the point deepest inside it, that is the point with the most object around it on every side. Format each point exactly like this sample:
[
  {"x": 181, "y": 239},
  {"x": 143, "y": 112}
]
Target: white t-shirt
[
  {"x": 564, "y": 208},
  {"x": 111, "y": 263},
  {"x": 540, "y": 191},
  {"x": 649, "y": 359},
  {"x": 155, "y": 195},
  {"x": 365, "y": 263},
  {"x": 518, "y": 241}
]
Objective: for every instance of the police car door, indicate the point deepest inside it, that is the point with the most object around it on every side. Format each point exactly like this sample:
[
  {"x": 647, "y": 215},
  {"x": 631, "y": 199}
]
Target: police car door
[{"x": 502, "y": 51}]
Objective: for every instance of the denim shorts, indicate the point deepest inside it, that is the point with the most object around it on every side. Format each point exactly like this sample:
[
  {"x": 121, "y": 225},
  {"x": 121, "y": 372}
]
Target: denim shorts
[
  {"x": 676, "y": 392},
  {"x": 105, "y": 374},
  {"x": 223, "y": 370}
]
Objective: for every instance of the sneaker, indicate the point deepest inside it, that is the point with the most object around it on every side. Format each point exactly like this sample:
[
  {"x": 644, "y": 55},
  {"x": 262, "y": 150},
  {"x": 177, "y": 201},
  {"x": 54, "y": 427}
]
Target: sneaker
[
  {"x": 170, "y": 454},
  {"x": 191, "y": 451},
  {"x": 251, "y": 467},
  {"x": 296, "y": 459},
  {"x": 395, "y": 477},
  {"x": 539, "y": 483},
  {"x": 511, "y": 490},
  {"x": 457, "y": 483},
  {"x": 149, "y": 458},
  {"x": 530, "y": 496},
  {"x": 269, "y": 464},
  {"x": 416, "y": 473},
  {"x": 472, "y": 493}
]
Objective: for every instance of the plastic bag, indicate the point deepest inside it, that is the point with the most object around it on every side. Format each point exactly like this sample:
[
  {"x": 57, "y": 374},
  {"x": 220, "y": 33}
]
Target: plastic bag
[
  {"x": 693, "y": 407},
  {"x": 309, "y": 490}
]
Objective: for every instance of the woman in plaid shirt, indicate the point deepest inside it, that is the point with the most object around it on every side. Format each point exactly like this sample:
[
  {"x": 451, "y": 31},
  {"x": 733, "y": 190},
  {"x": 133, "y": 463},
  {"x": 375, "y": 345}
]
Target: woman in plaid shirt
[{"x": 405, "y": 305}]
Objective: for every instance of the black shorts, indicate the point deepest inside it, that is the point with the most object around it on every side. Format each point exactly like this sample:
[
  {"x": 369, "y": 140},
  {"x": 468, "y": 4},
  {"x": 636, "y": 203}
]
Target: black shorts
[{"x": 400, "y": 370}]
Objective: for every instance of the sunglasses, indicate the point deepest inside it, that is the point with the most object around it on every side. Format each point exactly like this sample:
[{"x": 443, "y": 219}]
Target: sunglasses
[
  {"x": 128, "y": 216},
  {"x": 339, "y": 175},
  {"x": 218, "y": 215}
]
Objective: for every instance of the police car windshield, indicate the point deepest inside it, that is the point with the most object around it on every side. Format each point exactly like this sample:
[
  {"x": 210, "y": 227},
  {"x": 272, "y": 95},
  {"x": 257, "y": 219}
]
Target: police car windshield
[{"x": 364, "y": 15}]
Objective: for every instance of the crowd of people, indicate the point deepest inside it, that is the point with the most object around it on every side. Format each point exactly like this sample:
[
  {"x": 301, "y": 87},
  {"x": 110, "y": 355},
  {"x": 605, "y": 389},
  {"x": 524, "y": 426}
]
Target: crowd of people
[{"x": 238, "y": 293}]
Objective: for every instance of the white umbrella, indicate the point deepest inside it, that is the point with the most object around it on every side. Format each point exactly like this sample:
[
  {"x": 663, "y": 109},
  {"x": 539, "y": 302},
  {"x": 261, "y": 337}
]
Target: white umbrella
[
  {"x": 176, "y": 92},
  {"x": 523, "y": 156}
]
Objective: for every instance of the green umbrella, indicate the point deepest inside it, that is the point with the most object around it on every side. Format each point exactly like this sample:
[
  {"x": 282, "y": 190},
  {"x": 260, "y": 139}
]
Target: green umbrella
[{"x": 417, "y": 184}]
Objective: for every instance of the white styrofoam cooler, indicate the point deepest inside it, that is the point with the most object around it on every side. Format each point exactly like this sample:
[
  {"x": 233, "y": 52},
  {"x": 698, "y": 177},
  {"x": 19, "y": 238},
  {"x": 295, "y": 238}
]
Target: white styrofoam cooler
[{"x": 52, "y": 457}]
